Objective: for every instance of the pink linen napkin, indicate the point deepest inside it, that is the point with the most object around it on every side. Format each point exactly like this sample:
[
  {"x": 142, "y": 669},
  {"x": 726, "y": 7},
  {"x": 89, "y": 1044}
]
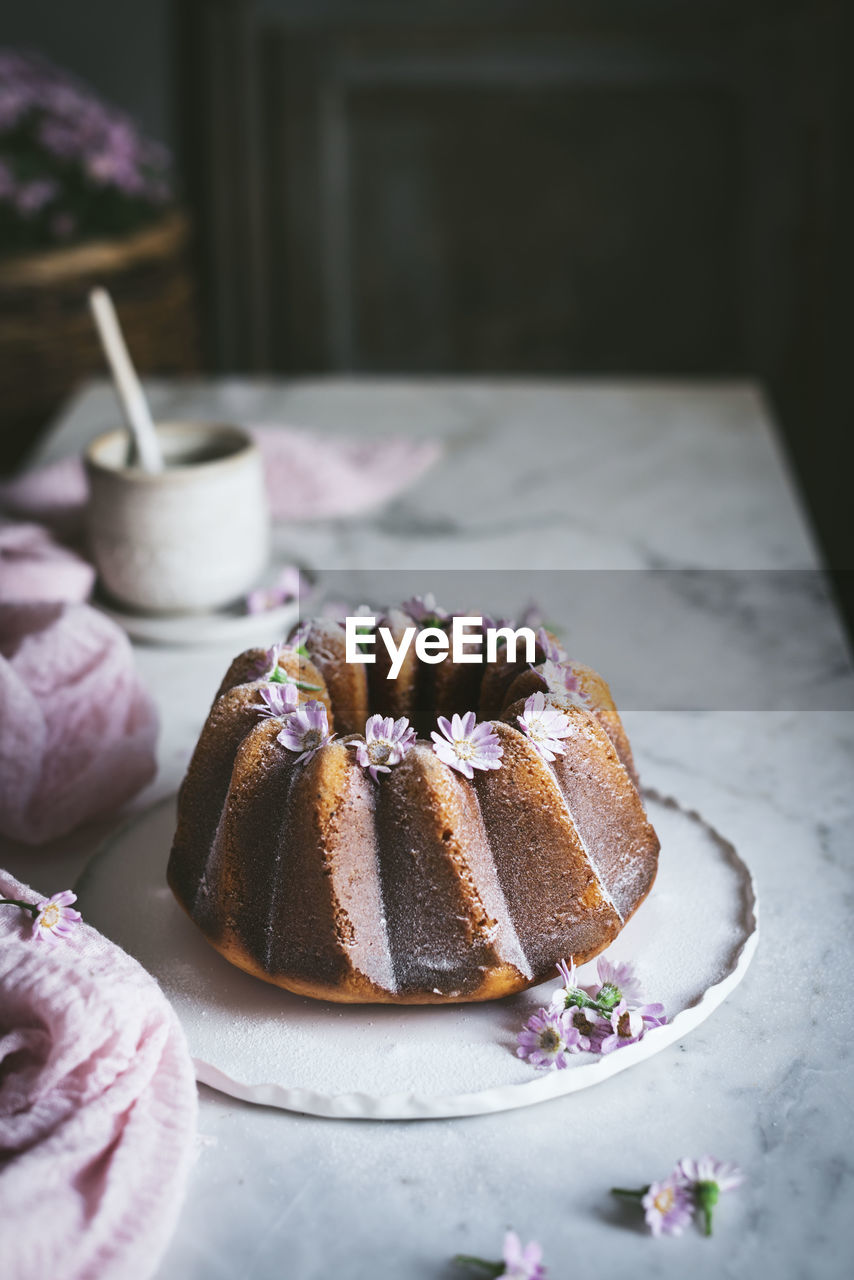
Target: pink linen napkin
[
  {"x": 34, "y": 567},
  {"x": 97, "y": 1106},
  {"x": 309, "y": 477},
  {"x": 77, "y": 727}
]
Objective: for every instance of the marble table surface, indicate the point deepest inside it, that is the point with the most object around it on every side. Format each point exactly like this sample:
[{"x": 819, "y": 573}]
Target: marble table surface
[{"x": 556, "y": 475}]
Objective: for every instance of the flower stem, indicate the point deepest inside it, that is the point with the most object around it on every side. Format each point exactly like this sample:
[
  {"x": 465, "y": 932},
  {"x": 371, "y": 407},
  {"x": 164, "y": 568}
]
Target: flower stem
[
  {"x": 627, "y": 1191},
  {"x": 25, "y": 906},
  {"x": 468, "y": 1260}
]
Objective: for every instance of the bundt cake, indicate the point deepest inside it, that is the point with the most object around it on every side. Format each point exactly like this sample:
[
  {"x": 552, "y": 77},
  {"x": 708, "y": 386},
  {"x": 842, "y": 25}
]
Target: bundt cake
[{"x": 358, "y": 838}]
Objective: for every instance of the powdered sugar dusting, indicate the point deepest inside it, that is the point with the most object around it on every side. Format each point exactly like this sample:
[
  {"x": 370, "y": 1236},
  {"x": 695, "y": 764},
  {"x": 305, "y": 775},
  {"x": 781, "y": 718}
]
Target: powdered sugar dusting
[{"x": 686, "y": 938}]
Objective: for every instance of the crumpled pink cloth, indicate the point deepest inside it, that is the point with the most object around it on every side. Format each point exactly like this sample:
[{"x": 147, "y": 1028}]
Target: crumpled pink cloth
[
  {"x": 309, "y": 477},
  {"x": 34, "y": 567},
  {"x": 97, "y": 1107},
  {"x": 77, "y": 727}
]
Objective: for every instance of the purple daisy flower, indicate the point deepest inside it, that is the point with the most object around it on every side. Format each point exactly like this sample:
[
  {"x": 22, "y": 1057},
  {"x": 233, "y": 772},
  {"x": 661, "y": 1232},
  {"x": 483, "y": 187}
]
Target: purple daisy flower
[
  {"x": 299, "y": 635},
  {"x": 549, "y": 646},
  {"x": 704, "y": 1180},
  {"x": 668, "y": 1207},
  {"x": 467, "y": 745},
  {"x": 562, "y": 683},
  {"x": 279, "y": 699},
  {"x": 728, "y": 1176},
  {"x": 306, "y": 730},
  {"x": 547, "y": 1039},
  {"x": 619, "y": 982},
  {"x": 521, "y": 1263},
  {"x": 424, "y": 609},
  {"x": 385, "y": 744},
  {"x": 591, "y": 1026},
  {"x": 33, "y": 196},
  {"x": 266, "y": 665},
  {"x": 544, "y": 726},
  {"x": 628, "y": 1025},
  {"x": 287, "y": 586},
  {"x": 55, "y": 917},
  {"x": 570, "y": 991}
]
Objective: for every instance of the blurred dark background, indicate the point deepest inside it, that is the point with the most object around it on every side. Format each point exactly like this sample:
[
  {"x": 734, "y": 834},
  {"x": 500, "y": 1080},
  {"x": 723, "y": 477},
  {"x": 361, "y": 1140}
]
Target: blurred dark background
[{"x": 508, "y": 186}]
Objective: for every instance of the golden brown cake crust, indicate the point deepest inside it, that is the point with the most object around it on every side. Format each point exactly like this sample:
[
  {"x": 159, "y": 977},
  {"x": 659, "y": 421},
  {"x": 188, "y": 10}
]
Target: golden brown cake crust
[{"x": 422, "y": 887}]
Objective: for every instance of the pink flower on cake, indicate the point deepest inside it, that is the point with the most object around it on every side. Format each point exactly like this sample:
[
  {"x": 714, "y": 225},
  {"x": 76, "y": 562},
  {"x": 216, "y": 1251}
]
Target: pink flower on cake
[
  {"x": 299, "y": 635},
  {"x": 467, "y": 745},
  {"x": 549, "y": 646},
  {"x": 278, "y": 699},
  {"x": 544, "y": 726},
  {"x": 266, "y": 665},
  {"x": 561, "y": 681},
  {"x": 306, "y": 730},
  {"x": 386, "y": 743},
  {"x": 668, "y": 1207},
  {"x": 55, "y": 917},
  {"x": 287, "y": 586},
  {"x": 424, "y": 609},
  {"x": 547, "y": 1038}
]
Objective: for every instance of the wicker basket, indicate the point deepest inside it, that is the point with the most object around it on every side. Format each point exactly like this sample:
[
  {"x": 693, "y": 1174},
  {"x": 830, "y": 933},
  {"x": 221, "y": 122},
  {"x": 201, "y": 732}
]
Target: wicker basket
[{"x": 47, "y": 338}]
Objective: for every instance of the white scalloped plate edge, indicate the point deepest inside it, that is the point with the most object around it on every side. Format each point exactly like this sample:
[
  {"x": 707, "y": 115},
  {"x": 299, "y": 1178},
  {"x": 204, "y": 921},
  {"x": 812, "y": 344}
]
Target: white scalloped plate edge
[
  {"x": 542, "y": 1088},
  {"x": 547, "y": 1085}
]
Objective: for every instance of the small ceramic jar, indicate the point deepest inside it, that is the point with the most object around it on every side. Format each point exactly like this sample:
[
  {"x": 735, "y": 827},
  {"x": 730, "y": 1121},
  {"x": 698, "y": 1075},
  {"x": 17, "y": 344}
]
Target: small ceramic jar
[{"x": 190, "y": 538}]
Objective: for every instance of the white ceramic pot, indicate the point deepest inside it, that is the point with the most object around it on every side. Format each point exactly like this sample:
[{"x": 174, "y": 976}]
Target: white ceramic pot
[{"x": 190, "y": 538}]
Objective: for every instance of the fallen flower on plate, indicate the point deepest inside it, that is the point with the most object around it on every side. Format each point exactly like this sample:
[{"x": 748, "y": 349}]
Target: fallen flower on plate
[
  {"x": 518, "y": 1263},
  {"x": 597, "y": 1019},
  {"x": 693, "y": 1186}
]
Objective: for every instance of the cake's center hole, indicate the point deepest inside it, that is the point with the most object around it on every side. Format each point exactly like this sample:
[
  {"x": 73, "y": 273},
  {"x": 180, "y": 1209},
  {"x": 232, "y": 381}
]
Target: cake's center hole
[{"x": 379, "y": 752}]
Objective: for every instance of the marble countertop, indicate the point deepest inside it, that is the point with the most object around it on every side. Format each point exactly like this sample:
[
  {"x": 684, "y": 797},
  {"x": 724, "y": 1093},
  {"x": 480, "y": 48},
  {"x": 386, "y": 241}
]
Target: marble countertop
[{"x": 587, "y": 475}]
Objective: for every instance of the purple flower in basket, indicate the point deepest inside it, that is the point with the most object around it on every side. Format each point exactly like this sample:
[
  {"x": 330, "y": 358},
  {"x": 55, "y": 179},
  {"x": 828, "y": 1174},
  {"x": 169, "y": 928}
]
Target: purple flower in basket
[{"x": 72, "y": 165}]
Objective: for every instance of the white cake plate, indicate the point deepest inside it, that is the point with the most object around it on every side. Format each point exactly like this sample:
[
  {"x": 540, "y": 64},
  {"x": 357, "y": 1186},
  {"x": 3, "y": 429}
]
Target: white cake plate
[{"x": 691, "y": 941}]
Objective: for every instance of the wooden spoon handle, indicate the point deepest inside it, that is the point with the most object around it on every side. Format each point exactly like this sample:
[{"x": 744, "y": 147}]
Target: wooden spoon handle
[{"x": 128, "y": 386}]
